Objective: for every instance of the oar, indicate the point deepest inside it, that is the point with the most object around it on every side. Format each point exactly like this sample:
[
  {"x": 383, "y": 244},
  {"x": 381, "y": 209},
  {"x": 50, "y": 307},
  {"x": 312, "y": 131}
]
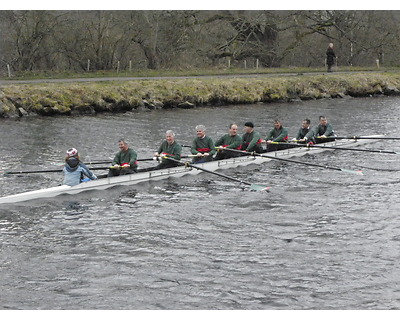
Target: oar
[
  {"x": 335, "y": 148},
  {"x": 359, "y": 172},
  {"x": 360, "y": 137},
  {"x": 253, "y": 186},
  {"x": 109, "y": 161},
  {"x": 47, "y": 170}
]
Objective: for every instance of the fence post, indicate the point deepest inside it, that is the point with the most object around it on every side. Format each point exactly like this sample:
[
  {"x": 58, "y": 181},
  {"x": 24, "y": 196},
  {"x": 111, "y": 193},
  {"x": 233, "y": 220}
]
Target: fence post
[
  {"x": 9, "y": 70},
  {"x": 245, "y": 64},
  {"x": 377, "y": 63},
  {"x": 257, "y": 64},
  {"x": 117, "y": 66},
  {"x": 88, "y": 65},
  {"x": 130, "y": 65},
  {"x": 229, "y": 63}
]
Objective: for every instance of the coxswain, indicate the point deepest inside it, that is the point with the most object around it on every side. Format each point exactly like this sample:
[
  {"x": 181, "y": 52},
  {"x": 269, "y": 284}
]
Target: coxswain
[
  {"x": 203, "y": 147},
  {"x": 168, "y": 149},
  {"x": 251, "y": 139},
  {"x": 230, "y": 140},
  {"x": 125, "y": 161},
  {"x": 75, "y": 170}
]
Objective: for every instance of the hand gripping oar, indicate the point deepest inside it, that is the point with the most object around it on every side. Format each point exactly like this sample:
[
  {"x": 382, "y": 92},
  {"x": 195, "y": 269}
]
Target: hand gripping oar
[
  {"x": 359, "y": 172},
  {"x": 253, "y": 186},
  {"x": 335, "y": 148}
]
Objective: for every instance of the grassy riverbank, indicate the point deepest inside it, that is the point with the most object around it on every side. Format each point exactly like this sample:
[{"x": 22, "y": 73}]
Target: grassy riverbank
[{"x": 72, "y": 98}]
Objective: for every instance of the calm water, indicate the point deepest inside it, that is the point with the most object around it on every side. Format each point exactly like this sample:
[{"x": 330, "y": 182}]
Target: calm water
[{"x": 320, "y": 239}]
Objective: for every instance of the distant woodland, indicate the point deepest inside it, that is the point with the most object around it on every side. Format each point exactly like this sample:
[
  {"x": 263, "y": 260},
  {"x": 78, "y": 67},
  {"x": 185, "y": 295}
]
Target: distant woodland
[{"x": 107, "y": 40}]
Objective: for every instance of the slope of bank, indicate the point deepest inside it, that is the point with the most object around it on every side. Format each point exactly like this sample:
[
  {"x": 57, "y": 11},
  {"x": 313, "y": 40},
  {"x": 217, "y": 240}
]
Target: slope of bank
[{"x": 50, "y": 99}]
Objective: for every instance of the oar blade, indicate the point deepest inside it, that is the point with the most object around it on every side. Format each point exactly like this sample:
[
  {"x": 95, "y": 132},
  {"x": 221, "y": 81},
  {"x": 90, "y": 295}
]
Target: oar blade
[
  {"x": 357, "y": 172},
  {"x": 259, "y": 187}
]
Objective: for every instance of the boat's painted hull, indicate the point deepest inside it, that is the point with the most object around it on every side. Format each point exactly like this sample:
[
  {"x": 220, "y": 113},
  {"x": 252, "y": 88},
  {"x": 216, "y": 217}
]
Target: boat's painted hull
[{"x": 175, "y": 172}]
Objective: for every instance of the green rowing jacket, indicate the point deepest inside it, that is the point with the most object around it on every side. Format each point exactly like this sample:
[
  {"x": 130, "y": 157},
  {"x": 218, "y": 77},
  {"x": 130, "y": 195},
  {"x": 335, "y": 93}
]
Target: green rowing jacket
[
  {"x": 203, "y": 145},
  {"x": 324, "y": 130},
  {"x": 231, "y": 142},
  {"x": 252, "y": 142},
  {"x": 302, "y": 133},
  {"x": 173, "y": 150},
  {"x": 278, "y": 135},
  {"x": 130, "y": 156}
]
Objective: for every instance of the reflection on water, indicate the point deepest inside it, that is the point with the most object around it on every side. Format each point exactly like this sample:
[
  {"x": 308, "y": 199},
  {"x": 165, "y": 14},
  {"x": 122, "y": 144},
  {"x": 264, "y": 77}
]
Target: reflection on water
[{"x": 320, "y": 239}]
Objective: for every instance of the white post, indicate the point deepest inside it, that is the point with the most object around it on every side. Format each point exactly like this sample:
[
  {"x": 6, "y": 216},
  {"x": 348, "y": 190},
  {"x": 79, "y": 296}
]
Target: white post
[
  {"x": 377, "y": 63},
  {"x": 9, "y": 70},
  {"x": 245, "y": 64},
  {"x": 130, "y": 65},
  {"x": 88, "y": 65},
  {"x": 117, "y": 66},
  {"x": 257, "y": 64},
  {"x": 229, "y": 63}
]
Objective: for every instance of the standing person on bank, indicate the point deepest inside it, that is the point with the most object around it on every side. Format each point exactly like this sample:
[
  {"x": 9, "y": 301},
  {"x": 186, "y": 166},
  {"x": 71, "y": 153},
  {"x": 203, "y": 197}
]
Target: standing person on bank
[
  {"x": 203, "y": 146},
  {"x": 251, "y": 139},
  {"x": 330, "y": 57},
  {"x": 169, "y": 148},
  {"x": 125, "y": 161},
  {"x": 74, "y": 170}
]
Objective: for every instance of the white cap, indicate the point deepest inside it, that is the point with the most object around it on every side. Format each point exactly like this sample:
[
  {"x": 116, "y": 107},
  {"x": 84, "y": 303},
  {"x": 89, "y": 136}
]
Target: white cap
[{"x": 72, "y": 152}]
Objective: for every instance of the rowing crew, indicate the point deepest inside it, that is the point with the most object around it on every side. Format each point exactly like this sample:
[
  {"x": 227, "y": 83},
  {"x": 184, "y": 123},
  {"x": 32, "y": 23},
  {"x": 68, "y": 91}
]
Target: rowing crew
[{"x": 203, "y": 148}]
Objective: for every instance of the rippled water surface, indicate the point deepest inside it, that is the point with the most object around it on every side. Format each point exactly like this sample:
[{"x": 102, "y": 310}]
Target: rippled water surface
[{"x": 321, "y": 239}]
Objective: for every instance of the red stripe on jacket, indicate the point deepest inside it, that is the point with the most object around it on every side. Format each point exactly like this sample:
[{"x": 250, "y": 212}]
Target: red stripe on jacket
[{"x": 203, "y": 149}]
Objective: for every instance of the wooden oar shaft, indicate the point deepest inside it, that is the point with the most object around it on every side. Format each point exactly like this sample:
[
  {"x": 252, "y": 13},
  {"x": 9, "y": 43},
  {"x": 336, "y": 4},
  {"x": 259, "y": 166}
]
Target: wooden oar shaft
[{"x": 335, "y": 148}]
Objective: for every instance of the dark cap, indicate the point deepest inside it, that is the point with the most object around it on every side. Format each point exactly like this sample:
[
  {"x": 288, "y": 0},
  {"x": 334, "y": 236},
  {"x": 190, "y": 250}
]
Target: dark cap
[{"x": 249, "y": 124}]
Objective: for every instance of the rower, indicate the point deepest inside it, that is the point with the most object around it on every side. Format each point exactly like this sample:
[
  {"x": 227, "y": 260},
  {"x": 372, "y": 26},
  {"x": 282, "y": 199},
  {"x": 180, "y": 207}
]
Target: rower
[
  {"x": 169, "y": 148},
  {"x": 125, "y": 161},
  {"x": 230, "y": 140},
  {"x": 251, "y": 139},
  {"x": 305, "y": 133},
  {"x": 324, "y": 131},
  {"x": 203, "y": 146},
  {"x": 277, "y": 134},
  {"x": 74, "y": 170}
]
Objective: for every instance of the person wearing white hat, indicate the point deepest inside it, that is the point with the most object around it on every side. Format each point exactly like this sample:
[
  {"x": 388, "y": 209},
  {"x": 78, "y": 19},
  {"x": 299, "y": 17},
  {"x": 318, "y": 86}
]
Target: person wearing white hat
[{"x": 75, "y": 170}]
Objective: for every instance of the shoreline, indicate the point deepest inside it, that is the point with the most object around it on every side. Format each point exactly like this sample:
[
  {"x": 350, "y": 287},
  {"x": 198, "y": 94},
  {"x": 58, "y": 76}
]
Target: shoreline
[{"x": 74, "y": 98}]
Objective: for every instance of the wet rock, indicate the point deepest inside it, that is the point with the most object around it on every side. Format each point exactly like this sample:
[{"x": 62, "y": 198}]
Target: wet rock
[
  {"x": 22, "y": 112},
  {"x": 186, "y": 105},
  {"x": 391, "y": 91}
]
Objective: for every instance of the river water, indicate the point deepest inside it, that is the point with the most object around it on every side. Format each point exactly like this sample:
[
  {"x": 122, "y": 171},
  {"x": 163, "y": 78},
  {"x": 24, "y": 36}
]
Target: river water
[{"x": 320, "y": 239}]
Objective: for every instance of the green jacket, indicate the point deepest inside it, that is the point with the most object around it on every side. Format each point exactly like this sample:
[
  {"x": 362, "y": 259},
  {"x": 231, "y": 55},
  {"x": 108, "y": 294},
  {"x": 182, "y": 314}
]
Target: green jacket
[
  {"x": 172, "y": 150},
  {"x": 252, "y": 141},
  {"x": 204, "y": 145},
  {"x": 278, "y": 135},
  {"x": 231, "y": 142},
  {"x": 324, "y": 130},
  {"x": 302, "y": 133},
  {"x": 129, "y": 156}
]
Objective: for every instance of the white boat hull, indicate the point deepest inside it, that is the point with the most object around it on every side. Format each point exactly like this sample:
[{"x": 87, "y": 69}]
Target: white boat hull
[{"x": 175, "y": 172}]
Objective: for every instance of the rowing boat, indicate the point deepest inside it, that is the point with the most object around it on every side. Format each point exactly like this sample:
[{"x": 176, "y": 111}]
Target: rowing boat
[{"x": 176, "y": 172}]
